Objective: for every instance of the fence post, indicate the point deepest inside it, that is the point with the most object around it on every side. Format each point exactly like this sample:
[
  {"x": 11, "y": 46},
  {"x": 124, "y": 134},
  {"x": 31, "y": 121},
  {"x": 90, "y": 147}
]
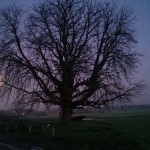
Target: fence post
[
  {"x": 53, "y": 131},
  {"x": 43, "y": 129},
  {"x": 7, "y": 127},
  {"x": 16, "y": 127},
  {"x": 30, "y": 127}
]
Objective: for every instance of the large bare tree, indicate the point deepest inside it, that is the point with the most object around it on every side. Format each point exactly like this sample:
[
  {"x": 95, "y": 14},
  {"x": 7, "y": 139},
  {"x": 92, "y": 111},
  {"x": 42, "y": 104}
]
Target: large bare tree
[{"x": 69, "y": 53}]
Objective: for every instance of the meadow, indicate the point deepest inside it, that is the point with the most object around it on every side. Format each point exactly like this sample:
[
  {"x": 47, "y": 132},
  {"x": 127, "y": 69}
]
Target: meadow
[{"x": 104, "y": 132}]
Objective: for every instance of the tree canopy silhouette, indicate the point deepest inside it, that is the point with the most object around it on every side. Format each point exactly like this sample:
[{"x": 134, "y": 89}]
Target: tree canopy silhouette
[{"x": 69, "y": 53}]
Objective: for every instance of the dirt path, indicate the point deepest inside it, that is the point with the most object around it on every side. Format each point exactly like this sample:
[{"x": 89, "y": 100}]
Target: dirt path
[{"x": 10, "y": 143}]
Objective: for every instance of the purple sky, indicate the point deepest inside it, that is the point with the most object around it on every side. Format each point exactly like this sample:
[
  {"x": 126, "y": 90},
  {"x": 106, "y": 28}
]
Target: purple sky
[{"x": 142, "y": 11}]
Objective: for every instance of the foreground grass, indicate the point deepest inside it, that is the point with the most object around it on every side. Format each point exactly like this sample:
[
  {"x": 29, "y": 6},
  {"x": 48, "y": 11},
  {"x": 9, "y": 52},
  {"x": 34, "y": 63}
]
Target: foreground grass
[
  {"x": 133, "y": 125},
  {"x": 112, "y": 133}
]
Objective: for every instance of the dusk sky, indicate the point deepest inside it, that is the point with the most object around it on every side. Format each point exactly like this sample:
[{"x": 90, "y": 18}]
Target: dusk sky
[{"x": 142, "y": 11}]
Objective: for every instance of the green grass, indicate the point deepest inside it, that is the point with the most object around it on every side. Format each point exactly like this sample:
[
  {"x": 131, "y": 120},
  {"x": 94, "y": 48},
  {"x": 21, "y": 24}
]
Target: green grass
[
  {"x": 135, "y": 125},
  {"x": 112, "y": 133},
  {"x": 84, "y": 136}
]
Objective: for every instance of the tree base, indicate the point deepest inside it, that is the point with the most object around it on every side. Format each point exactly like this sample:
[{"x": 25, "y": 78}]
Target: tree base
[{"x": 65, "y": 115}]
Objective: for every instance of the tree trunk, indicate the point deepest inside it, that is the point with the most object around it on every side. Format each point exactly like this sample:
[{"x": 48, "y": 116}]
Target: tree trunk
[{"x": 66, "y": 115}]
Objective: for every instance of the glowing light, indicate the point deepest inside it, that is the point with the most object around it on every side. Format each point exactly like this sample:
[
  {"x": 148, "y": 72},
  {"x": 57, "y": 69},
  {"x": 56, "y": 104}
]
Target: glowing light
[{"x": 1, "y": 80}]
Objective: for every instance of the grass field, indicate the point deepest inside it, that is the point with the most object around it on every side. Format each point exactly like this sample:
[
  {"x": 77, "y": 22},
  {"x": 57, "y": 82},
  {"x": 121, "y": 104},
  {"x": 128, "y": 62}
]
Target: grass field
[
  {"x": 134, "y": 126},
  {"x": 114, "y": 132}
]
